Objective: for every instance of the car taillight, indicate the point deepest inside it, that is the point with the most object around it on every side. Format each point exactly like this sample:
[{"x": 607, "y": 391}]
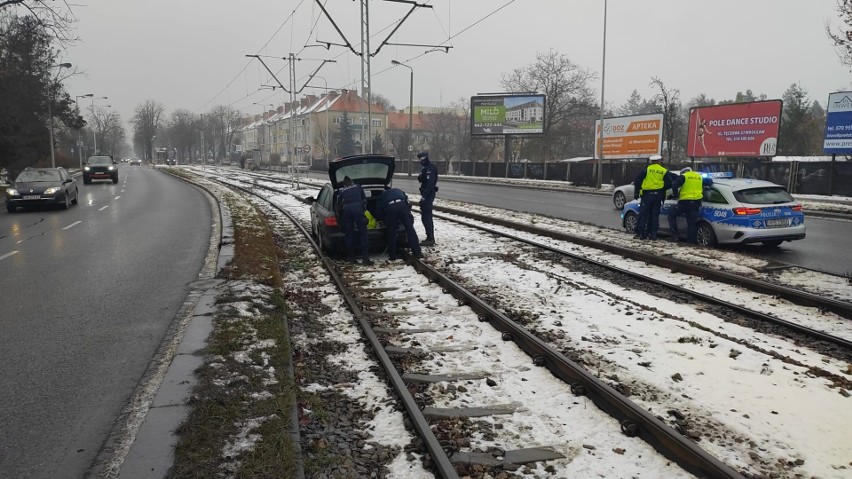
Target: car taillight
[
  {"x": 747, "y": 211},
  {"x": 796, "y": 207},
  {"x": 330, "y": 221}
]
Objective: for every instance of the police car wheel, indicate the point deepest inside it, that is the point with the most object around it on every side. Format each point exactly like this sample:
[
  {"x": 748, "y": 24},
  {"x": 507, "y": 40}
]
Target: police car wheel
[
  {"x": 630, "y": 221},
  {"x": 619, "y": 200},
  {"x": 706, "y": 236}
]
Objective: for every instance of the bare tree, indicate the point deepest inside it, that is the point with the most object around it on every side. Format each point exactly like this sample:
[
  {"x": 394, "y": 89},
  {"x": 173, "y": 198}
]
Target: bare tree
[
  {"x": 106, "y": 125},
  {"x": 146, "y": 119},
  {"x": 224, "y": 121},
  {"x": 383, "y": 101},
  {"x": 444, "y": 128},
  {"x": 668, "y": 101},
  {"x": 565, "y": 84},
  {"x": 55, "y": 17},
  {"x": 843, "y": 38}
]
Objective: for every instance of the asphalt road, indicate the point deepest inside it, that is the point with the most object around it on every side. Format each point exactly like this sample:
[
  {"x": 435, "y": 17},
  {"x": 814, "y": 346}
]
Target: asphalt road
[
  {"x": 86, "y": 297},
  {"x": 825, "y": 248}
]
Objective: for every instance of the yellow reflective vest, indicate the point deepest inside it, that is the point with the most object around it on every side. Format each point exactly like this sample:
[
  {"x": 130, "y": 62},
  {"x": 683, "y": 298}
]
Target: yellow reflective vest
[
  {"x": 693, "y": 186},
  {"x": 654, "y": 178}
]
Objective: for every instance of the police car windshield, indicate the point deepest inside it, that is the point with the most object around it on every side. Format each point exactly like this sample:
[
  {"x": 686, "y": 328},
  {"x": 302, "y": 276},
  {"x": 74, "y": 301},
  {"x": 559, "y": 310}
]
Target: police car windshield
[{"x": 771, "y": 195}]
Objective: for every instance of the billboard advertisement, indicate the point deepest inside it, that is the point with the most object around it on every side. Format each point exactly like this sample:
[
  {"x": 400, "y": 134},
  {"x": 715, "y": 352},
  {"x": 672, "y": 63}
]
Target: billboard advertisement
[
  {"x": 507, "y": 115},
  {"x": 737, "y": 129},
  {"x": 838, "y": 124},
  {"x": 638, "y": 136}
]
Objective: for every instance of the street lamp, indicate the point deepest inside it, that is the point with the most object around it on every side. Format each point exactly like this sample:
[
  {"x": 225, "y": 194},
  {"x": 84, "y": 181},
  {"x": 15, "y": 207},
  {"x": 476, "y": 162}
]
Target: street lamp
[
  {"x": 80, "y": 131},
  {"x": 601, "y": 133},
  {"x": 410, "y": 111},
  {"x": 94, "y": 131},
  {"x": 50, "y": 112}
]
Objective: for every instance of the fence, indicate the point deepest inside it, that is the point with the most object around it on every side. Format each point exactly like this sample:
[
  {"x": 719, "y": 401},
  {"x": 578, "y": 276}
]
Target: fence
[{"x": 802, "y": 177}]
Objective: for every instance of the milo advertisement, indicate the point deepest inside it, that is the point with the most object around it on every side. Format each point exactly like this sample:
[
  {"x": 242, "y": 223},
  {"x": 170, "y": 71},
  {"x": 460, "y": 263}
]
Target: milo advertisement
[{"x": 507, "y": 115}]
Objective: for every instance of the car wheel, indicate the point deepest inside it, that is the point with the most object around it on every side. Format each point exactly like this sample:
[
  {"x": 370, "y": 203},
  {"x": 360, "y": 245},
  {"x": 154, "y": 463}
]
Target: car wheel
[
  {"x": 706, "y": 236},
  {"x": 115, "y": 179},
  {"x": 619, "y": 200},
  {"x": 87, "y": 181},
  {"x": 11, "y": 208},
  {"x": 772, "y": 243},
  {"x": 67, "y": 203},
  {"x": 76, "y": 197},
  {"x": 631, "y": 219}
]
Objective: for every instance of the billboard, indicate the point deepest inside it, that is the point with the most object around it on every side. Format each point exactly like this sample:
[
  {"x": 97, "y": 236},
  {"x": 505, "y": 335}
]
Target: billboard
[
  {"x": 838, "y": 124},
  {"x": 507, "y": 115},
  {"x": 737, "y": 129},
  {"x": 637, "y": 136}
]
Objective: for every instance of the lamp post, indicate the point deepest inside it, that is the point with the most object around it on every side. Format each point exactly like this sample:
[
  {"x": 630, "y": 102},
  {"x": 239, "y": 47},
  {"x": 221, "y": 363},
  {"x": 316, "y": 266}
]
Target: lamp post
[
  {"x": 325, "y": 150},
  {"x": 94, "y": 131},
  {"x": 410, "y": 111},
  {"x": 603, "y": 76},
  {"x": 50, "y": 112},
  {"x": 80, "y": 131}
]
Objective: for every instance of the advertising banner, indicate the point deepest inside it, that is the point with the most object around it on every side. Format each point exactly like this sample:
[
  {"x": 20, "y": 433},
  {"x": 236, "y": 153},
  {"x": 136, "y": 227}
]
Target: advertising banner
[
  {"x": 738, "y": 129},
  {"x": 638, "y": 136},
  {"x": 507, "y": 115},
  {"x": 838, "y": 124}
]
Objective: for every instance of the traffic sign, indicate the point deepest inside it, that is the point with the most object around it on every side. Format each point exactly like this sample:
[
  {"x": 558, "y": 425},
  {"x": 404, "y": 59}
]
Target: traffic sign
[{"x": 306, "y": 148}]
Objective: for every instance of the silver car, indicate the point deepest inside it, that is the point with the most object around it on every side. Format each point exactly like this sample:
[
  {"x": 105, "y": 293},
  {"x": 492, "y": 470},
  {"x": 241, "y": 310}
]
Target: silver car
[{"x": 736, "y": 211}]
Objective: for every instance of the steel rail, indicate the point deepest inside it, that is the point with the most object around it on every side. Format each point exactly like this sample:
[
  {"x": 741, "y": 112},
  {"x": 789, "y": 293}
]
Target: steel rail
[
  {"x": 793, "y": 295},
  {"x": 439, "y": 456},
  {"x": 634, "y": 420},
  {"x": 821, "y": 335}
]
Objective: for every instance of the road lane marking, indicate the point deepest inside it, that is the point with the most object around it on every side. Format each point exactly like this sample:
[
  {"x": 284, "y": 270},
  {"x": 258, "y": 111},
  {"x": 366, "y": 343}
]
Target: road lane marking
[
  {"x": 103, "y": 208},
  {"x": 13, "y": 253},
  {"x": 119, "y": 196},
  {"x": 72, "y": 225}
]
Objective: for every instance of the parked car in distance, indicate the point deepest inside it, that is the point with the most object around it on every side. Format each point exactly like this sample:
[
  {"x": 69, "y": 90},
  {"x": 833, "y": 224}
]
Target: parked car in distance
[
  {"x": 41, "y": 186},
  {"x": 621, "y": 195},
  {"x": 300, "y": 167},
  {"x": 100, "y": 167},
  {"x": 374, "y": 173},
  {"x": 736, "y": 211}
]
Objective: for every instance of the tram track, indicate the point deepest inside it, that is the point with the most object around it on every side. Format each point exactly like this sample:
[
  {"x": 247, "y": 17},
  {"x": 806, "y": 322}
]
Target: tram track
[{"x": 369, "y": 303}]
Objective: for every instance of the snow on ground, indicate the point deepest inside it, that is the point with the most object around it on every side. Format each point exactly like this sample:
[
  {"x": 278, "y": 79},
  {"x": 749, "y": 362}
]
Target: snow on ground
[{"x": 670, "y": 355}]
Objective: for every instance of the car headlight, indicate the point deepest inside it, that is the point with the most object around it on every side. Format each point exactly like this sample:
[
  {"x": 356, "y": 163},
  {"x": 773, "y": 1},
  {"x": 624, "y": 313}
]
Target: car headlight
[
  {"x": 86, "y": 168},
  {"x": 110, "y": 168},
  {"x": 12, "y": 192},
  {"x": 51, "y": 191}
]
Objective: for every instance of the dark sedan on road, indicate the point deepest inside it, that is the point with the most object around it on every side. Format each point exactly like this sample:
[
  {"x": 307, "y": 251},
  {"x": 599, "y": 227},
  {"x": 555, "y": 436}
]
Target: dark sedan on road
[
  {"x": 374, "y": 173},
  {"x": 41, "y": 186},
  {"x": 101, "y": 167}
]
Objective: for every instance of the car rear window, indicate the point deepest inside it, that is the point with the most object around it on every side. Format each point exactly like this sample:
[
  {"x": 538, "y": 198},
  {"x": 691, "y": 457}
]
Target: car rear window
[
  {"x": 772, "y": 195},
  {"x": 362, "y": 171}
]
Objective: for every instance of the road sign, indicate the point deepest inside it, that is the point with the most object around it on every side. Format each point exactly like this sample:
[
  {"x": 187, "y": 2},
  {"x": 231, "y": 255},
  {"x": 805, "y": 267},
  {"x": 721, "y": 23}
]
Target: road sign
[{"x": 306, "y": 148}]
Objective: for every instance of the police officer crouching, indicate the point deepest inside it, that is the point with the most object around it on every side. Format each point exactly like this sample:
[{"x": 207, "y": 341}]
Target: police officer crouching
[
  {"x": 353, "y": 202},
  {"x": 652, "y": 182},
  {"x": 688, "y": 188},
  {"x": 394, "y": 209}
]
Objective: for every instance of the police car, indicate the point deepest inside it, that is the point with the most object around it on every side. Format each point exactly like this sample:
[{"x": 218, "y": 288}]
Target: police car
[{"x": 736, "y": 211}]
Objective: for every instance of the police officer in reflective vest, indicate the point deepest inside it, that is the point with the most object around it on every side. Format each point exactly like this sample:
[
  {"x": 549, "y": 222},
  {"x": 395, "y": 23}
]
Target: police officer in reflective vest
[
  {"x": 353, "y": 202},
  {"x": 688, "y": 188},
  {"x": 652, "y": 183},
  {"x": 394, "y": 209},
  {"x": 428, "y": 179}
]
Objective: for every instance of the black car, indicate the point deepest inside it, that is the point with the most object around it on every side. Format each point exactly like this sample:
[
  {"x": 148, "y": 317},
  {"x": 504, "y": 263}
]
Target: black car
[
  {"x": 374, "y": 173},
  {"x": 100, "y": 167},
  {"x": 41, "y": 186}
]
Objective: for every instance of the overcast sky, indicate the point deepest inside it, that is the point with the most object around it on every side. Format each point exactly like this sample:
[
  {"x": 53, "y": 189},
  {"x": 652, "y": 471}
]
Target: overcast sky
[{"x": 192, "y": 54}]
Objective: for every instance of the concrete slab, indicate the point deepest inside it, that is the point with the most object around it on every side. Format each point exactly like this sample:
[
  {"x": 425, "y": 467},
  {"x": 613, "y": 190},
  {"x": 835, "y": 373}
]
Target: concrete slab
[
  {"x": 447, "y": 413},
  {"x": 381, "y": 330},
  {"x": 178, "y": 382},
  {"x": 196, "y": 334},
  {"x": 152, "y": 453},
  {"x": 475, "y": 458},
  {"x": 440, "y": 378},
  {"x": 533, "y": 454},
  {"x": 394, "y": 350},
  {"x": 206, "y": 305}
]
